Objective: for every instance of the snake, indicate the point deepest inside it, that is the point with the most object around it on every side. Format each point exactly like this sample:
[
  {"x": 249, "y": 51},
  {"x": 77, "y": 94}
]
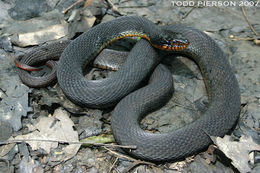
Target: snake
[{"x": 133, "y": 103}]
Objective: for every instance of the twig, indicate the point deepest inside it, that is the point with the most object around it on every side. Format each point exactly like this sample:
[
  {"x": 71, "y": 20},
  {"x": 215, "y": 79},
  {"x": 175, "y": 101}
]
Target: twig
[
  {"x": 256, "y": 40},
  {"x": 186, "y": 15},
  {"x": 70, "y": 142},
  {"x": 244, "y": 13},
  {"x": 193, "y": 7},
  {"x": 120, "y": 155},
  {"x": 113, "y": 7},
  {"x": 127, "y": 157},
  {"x": 136, "y": 162},
  {"x": 112, "y": 167},
  {"x": 124, "y": 1},
  {"x": 4, "y": 92},
  {"x": 86, "y": 4},
  {"x": 74, "y": 4},
  {"x": 241, "y": 38}
]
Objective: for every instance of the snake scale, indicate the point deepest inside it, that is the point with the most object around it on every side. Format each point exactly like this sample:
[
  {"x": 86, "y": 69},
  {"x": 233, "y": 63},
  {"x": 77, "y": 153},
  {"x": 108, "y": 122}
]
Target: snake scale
[{"x": 221, "y": 84}]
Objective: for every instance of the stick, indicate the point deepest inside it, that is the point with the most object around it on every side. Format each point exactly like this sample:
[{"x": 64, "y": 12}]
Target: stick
[
  {"x": 113, "y": 7},
  {"x": 113, "y": 165},
  {"x": 136, "y": 162},
  {"x": 244, "y": 13},
  {"x": 88, "y": 143},
  {"x": 86, "y": 4},
  {"x": 186, "y": 15},
  {"x": 67, "y": 9}
]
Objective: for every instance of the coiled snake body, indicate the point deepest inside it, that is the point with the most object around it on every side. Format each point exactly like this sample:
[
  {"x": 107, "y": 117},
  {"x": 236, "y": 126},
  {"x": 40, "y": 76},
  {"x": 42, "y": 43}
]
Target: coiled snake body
[{"x": 221, "y": 85}]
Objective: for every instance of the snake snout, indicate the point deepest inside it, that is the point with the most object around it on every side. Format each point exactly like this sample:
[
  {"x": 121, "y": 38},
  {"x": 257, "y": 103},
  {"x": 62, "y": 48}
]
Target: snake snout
[{"x": 169, "y": 40}]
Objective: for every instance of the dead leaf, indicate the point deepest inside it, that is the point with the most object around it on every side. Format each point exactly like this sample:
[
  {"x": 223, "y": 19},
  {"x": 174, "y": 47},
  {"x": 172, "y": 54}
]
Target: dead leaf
[
  {"x": 53, "y": 32},
  {"x": 98, "y": 139},
  {"x": 58, "y": 127},
  {"x": 237, "y": 151},
  {"x": 6, "y": 148}
]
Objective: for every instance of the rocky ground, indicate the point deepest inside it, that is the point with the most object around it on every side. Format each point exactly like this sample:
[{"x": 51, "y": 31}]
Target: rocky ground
[{"x": 27, "y": 113}]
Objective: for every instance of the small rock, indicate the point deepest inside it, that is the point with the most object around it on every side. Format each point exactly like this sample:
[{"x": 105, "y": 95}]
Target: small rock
[
  {"x": 80, "y": 22},
  {"x": 252, "y": 116},
  {"x": 5, "y": 130},
  {"x": 27, "y": 9},
  {"x": 200, "y": 165},
  {"x": 13, "y": 94},
  {"x": 238, "y": 29},
  {"x": 23, "y": 149},
  {"x": 74, "y": 15},
  {"x": 6, "y": 44},
  {"x": 30, "y": 165},
  {"x": 142, "y": 169},
  {"x": 52, "y": 3},
  {"x": 92, "y": 170},
  {"x": 4, "y": 16},
  {"x": 90, "y": 125},
  {"x": 97, "y": 8},
  {"x": 107, "y": 17}
]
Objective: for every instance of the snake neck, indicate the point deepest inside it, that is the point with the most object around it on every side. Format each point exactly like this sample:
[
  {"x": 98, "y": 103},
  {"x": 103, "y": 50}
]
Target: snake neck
[{"x": 131, "y": 27}]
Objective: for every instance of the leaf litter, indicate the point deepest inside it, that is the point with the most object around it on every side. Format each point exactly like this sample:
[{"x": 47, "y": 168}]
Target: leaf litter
[
  {"x": 237, "y": 151},
  {"x": 49, "y": 130}
]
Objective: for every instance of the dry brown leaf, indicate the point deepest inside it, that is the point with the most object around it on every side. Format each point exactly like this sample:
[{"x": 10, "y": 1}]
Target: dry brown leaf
[
  {"x": 58, "y": 127},
  {"x": 237, "y": 151}
]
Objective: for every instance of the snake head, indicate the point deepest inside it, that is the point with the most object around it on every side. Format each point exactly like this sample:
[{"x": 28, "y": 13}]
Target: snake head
[{"x": 169, "y": 40}]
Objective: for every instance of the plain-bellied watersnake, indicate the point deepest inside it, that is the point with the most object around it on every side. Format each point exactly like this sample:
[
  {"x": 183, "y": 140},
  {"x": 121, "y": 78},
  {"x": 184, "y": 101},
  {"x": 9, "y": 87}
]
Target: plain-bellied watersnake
[{"x": 221, "y": 85}]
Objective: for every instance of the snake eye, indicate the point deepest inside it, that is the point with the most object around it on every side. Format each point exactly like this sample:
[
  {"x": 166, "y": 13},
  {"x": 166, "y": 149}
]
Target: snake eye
[
  {"x": 169, "y": 40},
  {"x": 173, "y": 42}
]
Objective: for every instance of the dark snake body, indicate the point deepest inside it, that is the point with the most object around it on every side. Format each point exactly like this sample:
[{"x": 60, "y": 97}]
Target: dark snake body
[
  {"x": 221, "y": 115},
  {"x": 221, "y": 85},
  {"x": 40, "y": 55}
]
